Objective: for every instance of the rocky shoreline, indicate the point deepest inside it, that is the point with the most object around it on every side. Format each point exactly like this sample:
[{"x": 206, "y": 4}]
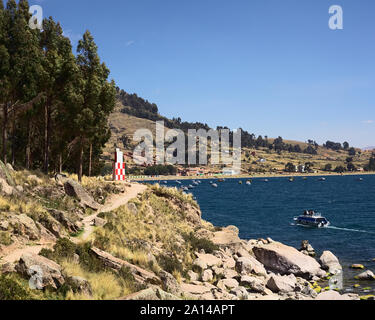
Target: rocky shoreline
[{"x": 170, "y": 252}]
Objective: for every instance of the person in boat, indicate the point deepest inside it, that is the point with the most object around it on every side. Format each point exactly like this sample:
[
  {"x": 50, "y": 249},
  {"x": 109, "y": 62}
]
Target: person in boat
[{"x": 306, "y": 213}]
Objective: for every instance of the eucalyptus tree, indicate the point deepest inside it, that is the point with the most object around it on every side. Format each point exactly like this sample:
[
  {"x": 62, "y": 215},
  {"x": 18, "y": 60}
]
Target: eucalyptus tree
[{"x": 98, "y": 96}]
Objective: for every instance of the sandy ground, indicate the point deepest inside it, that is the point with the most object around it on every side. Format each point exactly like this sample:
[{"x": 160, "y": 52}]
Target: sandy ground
[{"x": 14, "y": 253}]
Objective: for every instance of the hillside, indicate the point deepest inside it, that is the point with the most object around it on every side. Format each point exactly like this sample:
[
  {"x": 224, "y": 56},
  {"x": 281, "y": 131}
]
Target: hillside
[
  {"x": 140, "y": 243},
  {"x": 125, "y": 120}
]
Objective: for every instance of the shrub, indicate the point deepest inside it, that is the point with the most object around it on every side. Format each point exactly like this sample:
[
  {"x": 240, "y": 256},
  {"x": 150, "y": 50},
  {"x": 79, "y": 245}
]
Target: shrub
[
  {"x": 88, "y": 260},
  {"x": 5, "y": 238},
  {"x": 170, "y": 264},
  {"x": 11, "y": 288},
  {"x": 63, "y": 249},
  {"x": 199, "y": 244},
  {"x": 129, "y": 281}
]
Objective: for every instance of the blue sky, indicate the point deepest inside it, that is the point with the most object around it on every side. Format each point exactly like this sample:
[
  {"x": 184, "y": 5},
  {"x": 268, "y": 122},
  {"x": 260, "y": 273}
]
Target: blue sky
[{"x": 271, "y": 67}]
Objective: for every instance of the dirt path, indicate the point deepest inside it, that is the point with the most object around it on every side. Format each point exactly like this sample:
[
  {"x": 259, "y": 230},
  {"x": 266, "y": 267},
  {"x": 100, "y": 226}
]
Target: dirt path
[
  {"x": 114, "y": 202},
  {"x": 16, "y": 254}
]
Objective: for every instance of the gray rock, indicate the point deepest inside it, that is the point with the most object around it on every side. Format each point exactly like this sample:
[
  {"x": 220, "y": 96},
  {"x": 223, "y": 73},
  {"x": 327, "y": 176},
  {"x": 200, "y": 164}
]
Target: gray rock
[
  {"x": 283, "y": 284},
  {"x": 249, "y": 265},
  {"x": 334, "y": 295},
  {"x": 209, "y": 259},
  {"x": 193, "y": 276},
  {"x": 4, "y": 225},
  {"x": 8, "y": 268},
  {"x": 6, "y": 175},
  {"x": 132, "y": 208},
  {"x": 227, "y": 284},
  {"x": 240, "y": 292},
  {"x": 367, "y": 275},
  {"x": 279, "y": 258},
  {"x": 330, "y": 262},
  {"x": 99, "y": 222},
  {"x": 207, "y": 275},
  {"x": 169, "y": 283},
  {"x": 151, "y": 294},
  {"x": 5, "y": 188},
  {"x": 200, "y": 264},
  {"x": 80, "y": 285},
  {"x": 24, "y": 226},
  {"x": 74, "y": 189},
  {"x": 253, "y": 284},
  {"x": 44, "y": 273},
  {"x": 230, "y": 273}
]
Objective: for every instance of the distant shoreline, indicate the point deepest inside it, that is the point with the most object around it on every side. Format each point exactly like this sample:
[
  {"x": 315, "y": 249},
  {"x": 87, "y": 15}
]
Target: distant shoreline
[{"x": 255, "y": 176}]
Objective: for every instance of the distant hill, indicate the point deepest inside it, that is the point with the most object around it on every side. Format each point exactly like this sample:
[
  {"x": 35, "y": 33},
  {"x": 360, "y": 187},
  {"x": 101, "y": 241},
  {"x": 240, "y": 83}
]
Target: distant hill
[
  {"x": 133, "y": 112},
  {"x": 368, "y": 148}
]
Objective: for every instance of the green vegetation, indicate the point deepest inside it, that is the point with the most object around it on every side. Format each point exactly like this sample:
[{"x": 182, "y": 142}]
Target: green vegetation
[
  {"x": 198, "y": 244},
  {"x": 52, "y": 102},
  {"x": 371, "y": 164}
]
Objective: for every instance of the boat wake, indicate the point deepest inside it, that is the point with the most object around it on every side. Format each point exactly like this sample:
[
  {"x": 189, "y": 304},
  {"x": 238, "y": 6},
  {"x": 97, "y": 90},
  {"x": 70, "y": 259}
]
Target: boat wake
[
  {"x": 347, "y": 229},
  {"x": 334, "y": 228}
]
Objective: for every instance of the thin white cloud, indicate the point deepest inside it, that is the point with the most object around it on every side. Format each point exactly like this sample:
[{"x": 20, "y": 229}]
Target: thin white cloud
[
  {"x": 74, "y": 37},
  {"x": 130, "y": 43},
  {"x": 368, "y": 121}
]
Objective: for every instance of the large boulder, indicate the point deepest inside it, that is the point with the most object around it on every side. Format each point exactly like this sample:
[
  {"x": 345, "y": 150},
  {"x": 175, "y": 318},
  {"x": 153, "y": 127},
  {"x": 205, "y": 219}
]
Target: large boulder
[
  {"x": 140, "y": 275},
  {"x": 74, "y": 189},
  {"x": 64, "y": 218},
  {"x": 209, "y": 260},
  {"x": 367, "y": 275},
  {"x": 227, "y": 236},
  {"x": 285, "y": 260},
  {"x": 42, "y": 272},
  {"x": 24, "y": 226},
  {"x": 6, "y": 175},
  {"x": 283, "y": 284},
  {"x": 334, "y": 295},
  {"x": 5, "y": 188},
  {"x": 249, "y": 265},
  {"x": 330, "y": 262}
]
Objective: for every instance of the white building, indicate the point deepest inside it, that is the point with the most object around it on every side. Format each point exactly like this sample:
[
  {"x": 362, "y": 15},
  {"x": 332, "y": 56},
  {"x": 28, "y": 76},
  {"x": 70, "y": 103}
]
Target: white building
[{"x": 230, "y": 172}]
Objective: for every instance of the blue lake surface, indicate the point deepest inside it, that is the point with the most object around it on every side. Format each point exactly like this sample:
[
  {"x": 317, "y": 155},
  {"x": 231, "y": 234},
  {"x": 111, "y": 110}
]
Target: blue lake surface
[{"x": 266, "y": 209}]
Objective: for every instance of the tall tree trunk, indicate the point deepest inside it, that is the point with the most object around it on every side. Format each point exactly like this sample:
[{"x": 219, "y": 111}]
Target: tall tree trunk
[
  {"x": 13, "y": 138},
  {"x": 47, "y": 134},
  {"x": 90, "y": 160},
  {"x": 60, "y": 163},
  {"x": 80, "y": 169},
  {"x": 4, "y": 131},
  {"x": 28, "y": 146}
]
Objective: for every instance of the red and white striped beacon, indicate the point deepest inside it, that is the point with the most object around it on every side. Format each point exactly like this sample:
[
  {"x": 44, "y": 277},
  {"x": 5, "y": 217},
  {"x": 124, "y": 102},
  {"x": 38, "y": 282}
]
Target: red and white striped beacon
[{"x": 119, "y": 166}]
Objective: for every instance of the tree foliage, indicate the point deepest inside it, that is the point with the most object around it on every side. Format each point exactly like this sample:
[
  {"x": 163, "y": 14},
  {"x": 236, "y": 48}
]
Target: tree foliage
[{"x": 55, "y": 106}]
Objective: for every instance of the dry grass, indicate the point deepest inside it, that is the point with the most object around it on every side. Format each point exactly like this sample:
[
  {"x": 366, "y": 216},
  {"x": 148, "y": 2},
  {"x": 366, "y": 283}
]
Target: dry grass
[
  {"x": 159, "y": 224},
  {"x": 105, "y": 285}
]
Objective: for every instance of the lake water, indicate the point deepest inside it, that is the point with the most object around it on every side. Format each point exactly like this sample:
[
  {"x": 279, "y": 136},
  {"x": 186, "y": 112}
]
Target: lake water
[{"x": 266, "y": 209}]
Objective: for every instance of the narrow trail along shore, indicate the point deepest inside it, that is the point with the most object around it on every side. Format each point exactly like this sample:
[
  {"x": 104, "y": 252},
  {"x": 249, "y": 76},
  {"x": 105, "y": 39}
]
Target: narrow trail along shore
[{"x": 115, "y": 201}]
